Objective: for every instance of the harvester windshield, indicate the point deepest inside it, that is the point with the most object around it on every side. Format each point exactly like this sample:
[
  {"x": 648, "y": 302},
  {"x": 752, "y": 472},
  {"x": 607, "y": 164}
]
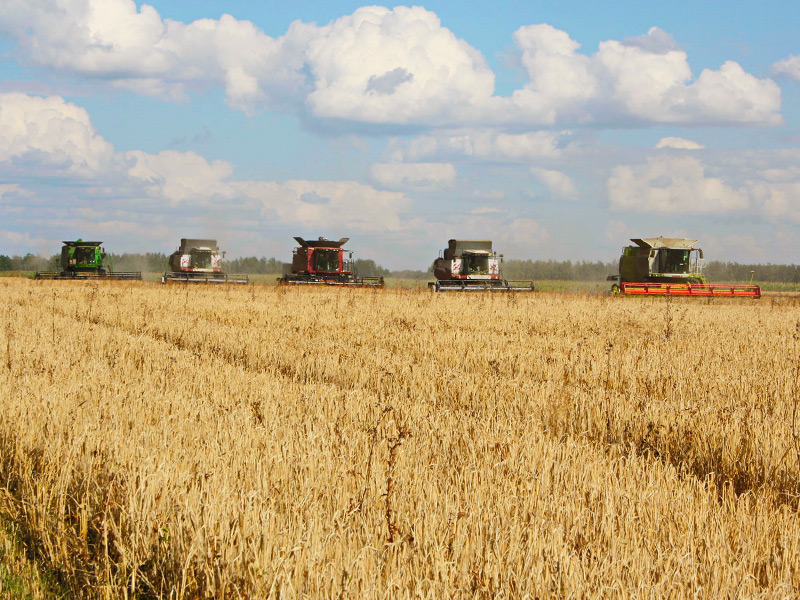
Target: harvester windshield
[
  {"x": 201, "y": 259},
  {"x": 475, "y": 264},
  {"x": 85, "y": 255},
  {"x": 326, "y": 260},
  {"x": 674, "y": 261}
]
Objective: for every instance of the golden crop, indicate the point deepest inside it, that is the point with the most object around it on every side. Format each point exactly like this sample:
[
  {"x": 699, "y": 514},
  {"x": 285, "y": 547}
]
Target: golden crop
[{"x": 254, "y": 442}]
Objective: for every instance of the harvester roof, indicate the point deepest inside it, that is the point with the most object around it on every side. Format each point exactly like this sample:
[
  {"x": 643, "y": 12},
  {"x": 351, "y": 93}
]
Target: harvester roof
[
  {"x": 470, "y": 245},
  {"x": 188, "y": 244},
  {"x": 321, "y": 243},
  {"x": 76, "y": 243},
  {"x": 456, "y": 248},
  {"x": 662, "y": 242}
]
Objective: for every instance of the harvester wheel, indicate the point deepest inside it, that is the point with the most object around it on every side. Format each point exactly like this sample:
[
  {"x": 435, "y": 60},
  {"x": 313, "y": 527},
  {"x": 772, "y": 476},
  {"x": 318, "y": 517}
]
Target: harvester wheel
[{"x": 615, "y": 291}]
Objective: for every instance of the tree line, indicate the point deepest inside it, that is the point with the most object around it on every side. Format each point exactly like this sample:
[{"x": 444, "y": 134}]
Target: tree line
[{"x": 558, "y": 270}]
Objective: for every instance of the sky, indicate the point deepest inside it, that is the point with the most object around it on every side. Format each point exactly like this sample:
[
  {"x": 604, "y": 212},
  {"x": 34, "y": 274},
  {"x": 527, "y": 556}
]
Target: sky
[{"x": 557, "y": 130}]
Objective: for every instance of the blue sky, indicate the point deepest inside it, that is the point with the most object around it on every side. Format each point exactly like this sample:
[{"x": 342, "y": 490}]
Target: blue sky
[{"x": 559, "y": 130}]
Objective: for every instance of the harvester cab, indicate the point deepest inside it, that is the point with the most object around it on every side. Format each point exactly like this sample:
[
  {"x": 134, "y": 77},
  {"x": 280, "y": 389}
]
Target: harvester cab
[
  {"x": 472, "y": 265},
  {"x": 662, "y": 260},
  {"x": 326, "y": 262},
  {"x": 82, "y": 256},
  {"x": 85, "y": 260},
  {"x": 669, "y": 266},
  {"x": 198, "y": 261}
]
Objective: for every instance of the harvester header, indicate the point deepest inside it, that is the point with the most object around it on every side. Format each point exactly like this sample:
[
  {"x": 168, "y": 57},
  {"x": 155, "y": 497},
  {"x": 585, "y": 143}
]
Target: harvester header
[
  {"x": 669, "y": 267},
  {"x": 472, "y": 265}
]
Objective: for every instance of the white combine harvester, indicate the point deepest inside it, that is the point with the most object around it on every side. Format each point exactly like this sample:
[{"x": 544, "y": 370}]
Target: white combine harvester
[
  {"x": 472, "y": 266},
  {"x": 198, "y": 261}
]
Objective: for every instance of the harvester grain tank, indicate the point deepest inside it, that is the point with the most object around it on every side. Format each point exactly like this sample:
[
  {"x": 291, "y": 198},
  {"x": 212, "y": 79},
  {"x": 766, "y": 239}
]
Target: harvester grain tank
[
  {"x": 669, "y": 267},
  {"x": 85, "y": 260},
  {"x": 198, "y": 261},
  {"x": 325, "y": 262},
  {"x": 472, "y": 265}
]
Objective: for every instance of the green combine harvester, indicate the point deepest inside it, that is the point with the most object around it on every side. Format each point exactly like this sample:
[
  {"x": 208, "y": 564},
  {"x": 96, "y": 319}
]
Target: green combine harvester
[
  {"x": 85, "y": 260},
  {"x": 669, "y": 267}
]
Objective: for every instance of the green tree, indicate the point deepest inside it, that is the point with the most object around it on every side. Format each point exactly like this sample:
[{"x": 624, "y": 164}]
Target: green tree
[{"x": 367, "y": 268}]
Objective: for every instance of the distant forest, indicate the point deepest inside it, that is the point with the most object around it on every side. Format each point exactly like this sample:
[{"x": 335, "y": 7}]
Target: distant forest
[{"x": 559, "y": 270}]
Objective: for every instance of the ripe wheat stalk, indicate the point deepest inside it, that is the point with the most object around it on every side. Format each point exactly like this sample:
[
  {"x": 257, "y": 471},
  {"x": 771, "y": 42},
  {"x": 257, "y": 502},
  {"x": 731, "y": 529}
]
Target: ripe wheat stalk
[{"x": 256, "y": 442}]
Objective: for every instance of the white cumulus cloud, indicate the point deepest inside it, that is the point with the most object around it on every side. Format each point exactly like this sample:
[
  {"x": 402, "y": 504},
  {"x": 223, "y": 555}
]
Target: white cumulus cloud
[
  {"x": 678, "y": 144},
  {"x": 777, "y": 193},
  {"x": 417, "y": 175},
  {"x": 645, "y": 79},
  {"x": 524, "y": 232},
  {"x": 181, "y": 176},
  {"x": 560, "y": 184},
  {"x": 484, "y": 144},
  {"x": 789, "y": 66},
  {"x": 135, "y": 49},
  {"x": 51, "y": 132},
  {"x": 673, "y": 185},
  {"x": 134, "y": 190},
  {"x": 325, "y": 204},
  {"x": 396, "y": 66}
]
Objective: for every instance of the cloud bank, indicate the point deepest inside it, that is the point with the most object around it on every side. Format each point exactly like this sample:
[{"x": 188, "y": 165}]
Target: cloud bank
[
  {"x": 757, "y": 184},
  {"x": 51, "y": 136},
  {"x": 385, "y": 66}
]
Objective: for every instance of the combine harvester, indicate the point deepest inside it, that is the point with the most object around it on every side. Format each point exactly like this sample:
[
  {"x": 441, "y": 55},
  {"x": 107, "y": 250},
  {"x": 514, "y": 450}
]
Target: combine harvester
[
  {"x": 324, "y": 262},
  {"x": 670, "y": 267},
  {"x": 198, "y": 261},
  {"x": 472, "y": 266},
  {"x": 85, "y": 260}
]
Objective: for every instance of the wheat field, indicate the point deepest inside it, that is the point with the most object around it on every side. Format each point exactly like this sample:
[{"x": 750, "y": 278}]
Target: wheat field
[{"x": 269, "y": 442}]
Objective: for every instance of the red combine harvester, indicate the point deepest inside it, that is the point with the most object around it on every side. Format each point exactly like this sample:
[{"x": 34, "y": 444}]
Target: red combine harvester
[
  {"x": 325, "y": 262},
  {"x": 670, "y": 267}
]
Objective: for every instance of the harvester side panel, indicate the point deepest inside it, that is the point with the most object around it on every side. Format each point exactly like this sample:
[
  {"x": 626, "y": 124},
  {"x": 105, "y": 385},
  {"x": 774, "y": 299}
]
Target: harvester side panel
[{"x": 300, "y": 260}]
